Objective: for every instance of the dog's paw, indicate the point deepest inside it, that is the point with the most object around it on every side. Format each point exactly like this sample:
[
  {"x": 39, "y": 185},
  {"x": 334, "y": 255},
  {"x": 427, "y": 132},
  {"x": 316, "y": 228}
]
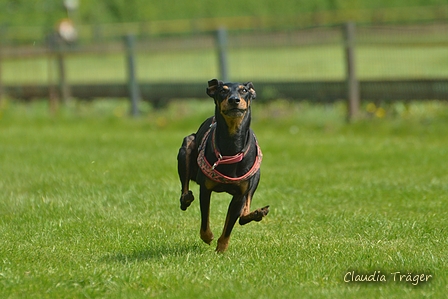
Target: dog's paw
[
  {"x": 207, "y": 236},
  {"x": 256, "y": 215},
  {"x": 223, "y": 244},
  {"x": 186, "y": 200},
  {"x": 260, "y": 213}
]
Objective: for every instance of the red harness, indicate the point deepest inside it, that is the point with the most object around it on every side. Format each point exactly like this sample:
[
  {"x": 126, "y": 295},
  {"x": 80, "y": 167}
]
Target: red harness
[{"x": 210, "y": 170}]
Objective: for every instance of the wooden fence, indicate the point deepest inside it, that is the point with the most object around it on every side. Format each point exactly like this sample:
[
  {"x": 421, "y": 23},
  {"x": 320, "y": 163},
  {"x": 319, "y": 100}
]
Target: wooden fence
[{"x": 349, "y": 89}]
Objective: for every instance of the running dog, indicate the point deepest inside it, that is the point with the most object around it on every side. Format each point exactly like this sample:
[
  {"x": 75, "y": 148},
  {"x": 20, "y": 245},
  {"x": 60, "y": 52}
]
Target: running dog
[{"x": 223, "y": 156}]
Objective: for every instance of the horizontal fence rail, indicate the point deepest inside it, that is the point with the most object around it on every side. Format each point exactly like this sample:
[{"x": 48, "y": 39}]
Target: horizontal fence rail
[{"x": 324, "y": 91}]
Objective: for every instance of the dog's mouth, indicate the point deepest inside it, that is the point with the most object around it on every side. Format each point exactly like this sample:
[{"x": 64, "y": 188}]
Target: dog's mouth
[{"x": 234, "y": 112}]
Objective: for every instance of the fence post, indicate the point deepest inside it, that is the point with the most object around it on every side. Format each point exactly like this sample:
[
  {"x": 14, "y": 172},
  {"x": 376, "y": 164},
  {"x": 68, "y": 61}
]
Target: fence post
[
  {"x": 221, "y": 41},
  {"x": 353, "y": 97},
  {"x": 53, "y": 96},
  {"x": 64, "y": 88},
  {"x": 134, "y": 91}
]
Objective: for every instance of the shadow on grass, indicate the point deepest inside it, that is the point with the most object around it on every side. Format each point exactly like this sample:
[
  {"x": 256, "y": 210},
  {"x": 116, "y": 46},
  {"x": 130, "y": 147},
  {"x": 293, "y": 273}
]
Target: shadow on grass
[{"x": 156, "y": 251}]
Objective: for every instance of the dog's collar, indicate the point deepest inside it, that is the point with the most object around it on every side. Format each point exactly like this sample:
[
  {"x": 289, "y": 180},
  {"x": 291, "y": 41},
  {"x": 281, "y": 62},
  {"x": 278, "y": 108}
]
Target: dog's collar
[
  {"x": 225, "y": 159},
  {"x": 210, "y": 170}
]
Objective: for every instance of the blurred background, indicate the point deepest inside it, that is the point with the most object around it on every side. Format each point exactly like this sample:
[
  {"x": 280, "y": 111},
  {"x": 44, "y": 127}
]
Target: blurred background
[{"x": 157, "y": 51}]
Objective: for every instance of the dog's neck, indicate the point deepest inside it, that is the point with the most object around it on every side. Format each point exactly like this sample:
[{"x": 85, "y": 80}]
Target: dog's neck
[{"x": 231, "y": 141}]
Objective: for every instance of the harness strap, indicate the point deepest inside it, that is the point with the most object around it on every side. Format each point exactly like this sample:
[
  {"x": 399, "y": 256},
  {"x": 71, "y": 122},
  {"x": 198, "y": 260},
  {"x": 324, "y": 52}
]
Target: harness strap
[
  {"x": 225, "y": 159},
  {"x": 213, "y": 174}
]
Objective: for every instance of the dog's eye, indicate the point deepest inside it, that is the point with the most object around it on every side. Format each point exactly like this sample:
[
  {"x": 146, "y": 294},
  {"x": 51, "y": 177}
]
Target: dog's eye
[{"x": 244, "y": 90}]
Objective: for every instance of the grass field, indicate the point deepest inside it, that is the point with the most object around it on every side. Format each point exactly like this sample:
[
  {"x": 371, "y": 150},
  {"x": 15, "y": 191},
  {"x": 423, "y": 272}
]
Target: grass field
[{"x": 89, "y": 205}]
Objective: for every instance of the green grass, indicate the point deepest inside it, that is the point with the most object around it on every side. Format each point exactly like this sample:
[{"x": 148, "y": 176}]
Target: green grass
[
  {"x": 89, "y": 204},
  {"x": 50, "y": 12}
]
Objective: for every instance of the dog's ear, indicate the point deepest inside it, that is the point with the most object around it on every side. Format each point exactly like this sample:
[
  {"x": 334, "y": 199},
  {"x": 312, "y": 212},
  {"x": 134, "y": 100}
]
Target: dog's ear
[
  {"x": 250, "y": 88},
  {"x": 213, "y": 87}
]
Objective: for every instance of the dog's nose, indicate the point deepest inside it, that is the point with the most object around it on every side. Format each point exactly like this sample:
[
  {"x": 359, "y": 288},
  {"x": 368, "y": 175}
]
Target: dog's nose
[{"x": 233, "y": 100}]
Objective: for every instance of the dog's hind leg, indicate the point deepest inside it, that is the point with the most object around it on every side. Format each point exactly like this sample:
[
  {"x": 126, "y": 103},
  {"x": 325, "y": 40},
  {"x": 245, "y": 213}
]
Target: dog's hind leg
[
  {"x": 248, "y": 216},
  {"x": 185, "y": 168},
  {"x": 256, "y": 215}
]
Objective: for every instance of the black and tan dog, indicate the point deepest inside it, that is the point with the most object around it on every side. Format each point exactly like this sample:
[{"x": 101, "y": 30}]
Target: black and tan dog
[{"x": 223, "y": 156}]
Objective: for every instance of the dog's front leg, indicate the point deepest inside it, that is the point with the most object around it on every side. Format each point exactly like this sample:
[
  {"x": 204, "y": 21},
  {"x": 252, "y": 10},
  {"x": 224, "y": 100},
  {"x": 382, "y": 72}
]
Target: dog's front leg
[
  {"x": 204, "y": 198},
  {"x": 233, "y": 213}
]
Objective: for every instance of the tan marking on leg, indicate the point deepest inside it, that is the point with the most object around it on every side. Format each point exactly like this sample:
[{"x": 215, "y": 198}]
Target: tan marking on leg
[
  {"x": 246, "y": 209},
  {"x": 223, "y": 241},
  {"x": 204, "y": 197},
  {"x": 207, "y": 235}
]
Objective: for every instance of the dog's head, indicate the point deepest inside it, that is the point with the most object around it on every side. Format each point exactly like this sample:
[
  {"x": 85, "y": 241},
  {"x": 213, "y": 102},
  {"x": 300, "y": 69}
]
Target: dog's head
[{"x": 232, "y": 99}]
